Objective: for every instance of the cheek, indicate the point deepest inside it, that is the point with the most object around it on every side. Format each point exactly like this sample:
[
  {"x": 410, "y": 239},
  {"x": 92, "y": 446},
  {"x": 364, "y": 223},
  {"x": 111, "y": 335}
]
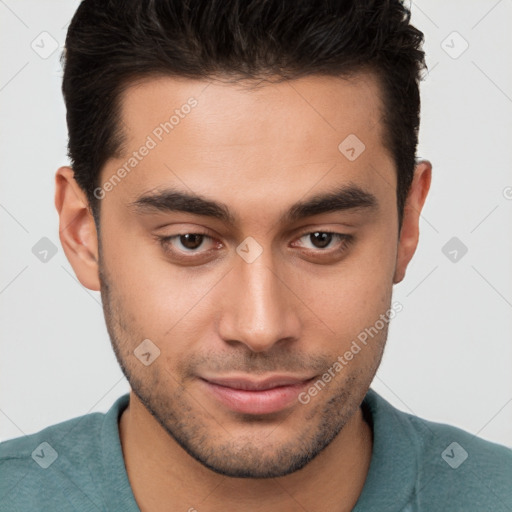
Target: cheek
[
  {"x": 355, "y": 292},
  {"x": 138, "y": 279},
  {"x": 157, "y": 300},
  {"x": 163, "y": 301},
  {"x": 347, "y": 320}
]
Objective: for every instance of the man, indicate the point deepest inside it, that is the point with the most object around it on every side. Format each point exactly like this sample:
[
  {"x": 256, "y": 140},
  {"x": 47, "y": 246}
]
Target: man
[{"x": 244, "y": 193}]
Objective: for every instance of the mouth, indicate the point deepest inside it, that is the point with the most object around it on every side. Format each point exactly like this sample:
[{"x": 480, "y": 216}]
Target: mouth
[{"x": 250, "y": 396}]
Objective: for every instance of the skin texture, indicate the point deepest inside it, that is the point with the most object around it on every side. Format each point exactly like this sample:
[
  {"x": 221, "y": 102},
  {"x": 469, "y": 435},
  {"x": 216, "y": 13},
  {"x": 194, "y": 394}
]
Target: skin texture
[{"x": 293, "y": 310}]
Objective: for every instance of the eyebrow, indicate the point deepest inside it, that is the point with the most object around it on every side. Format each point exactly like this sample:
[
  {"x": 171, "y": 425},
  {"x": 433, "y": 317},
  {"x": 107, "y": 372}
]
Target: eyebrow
[{"x": 346, "y": 197}]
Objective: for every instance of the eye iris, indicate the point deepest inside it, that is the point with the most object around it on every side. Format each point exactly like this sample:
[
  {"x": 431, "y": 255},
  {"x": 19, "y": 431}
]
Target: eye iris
[
  {"x": 191, "y": 241},
  {"x": 320, "y": 239}
]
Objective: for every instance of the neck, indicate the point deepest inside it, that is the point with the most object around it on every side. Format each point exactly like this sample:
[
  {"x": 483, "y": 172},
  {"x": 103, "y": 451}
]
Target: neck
[{"x": 162, "y": 473}]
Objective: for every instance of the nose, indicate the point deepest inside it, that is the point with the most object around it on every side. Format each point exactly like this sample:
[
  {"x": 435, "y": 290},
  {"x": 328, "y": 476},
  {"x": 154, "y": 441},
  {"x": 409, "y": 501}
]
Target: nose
[{"x": 259, "y": 308}]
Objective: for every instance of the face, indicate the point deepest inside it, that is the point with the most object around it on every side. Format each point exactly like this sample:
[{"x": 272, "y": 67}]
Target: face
[{"x": 251, "y": 251}]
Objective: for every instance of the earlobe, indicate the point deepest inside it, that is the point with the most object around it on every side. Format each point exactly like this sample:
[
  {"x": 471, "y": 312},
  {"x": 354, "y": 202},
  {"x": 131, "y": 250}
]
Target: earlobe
[
  {"x": 409, "y": 234},
  {"x": 77, "y": 230}
]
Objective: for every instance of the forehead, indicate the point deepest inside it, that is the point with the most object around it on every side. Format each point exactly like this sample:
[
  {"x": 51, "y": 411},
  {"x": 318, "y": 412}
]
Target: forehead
[{"x": 209, "y": 135}]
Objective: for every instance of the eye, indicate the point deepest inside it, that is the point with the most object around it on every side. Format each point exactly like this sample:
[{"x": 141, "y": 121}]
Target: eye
[
  {"x": 324, "y": 240},
  {"x": 192, "y": 246},
  {"x": 186, "y": 242}
]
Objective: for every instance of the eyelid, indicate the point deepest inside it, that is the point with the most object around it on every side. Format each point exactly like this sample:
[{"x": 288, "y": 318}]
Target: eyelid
[
  {"x": 344, "y": 240},
  {"x": 168, "y": 240}
]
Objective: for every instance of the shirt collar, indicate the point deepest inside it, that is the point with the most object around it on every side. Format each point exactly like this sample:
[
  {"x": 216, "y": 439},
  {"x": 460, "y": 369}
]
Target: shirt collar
[{"x": 389, "y": 484}]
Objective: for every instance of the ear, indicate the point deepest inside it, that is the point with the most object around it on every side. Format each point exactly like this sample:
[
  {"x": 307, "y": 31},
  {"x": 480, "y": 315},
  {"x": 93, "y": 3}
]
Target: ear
[
  {"x": 77, "y": 230},
  {"x": 410, "y": 231}
]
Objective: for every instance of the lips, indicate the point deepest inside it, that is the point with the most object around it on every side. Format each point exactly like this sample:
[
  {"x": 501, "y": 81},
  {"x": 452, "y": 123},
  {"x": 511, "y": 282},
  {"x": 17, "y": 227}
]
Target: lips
[
  {"x": 257, "y": 385},
  {"x": 256, "y": 396}
]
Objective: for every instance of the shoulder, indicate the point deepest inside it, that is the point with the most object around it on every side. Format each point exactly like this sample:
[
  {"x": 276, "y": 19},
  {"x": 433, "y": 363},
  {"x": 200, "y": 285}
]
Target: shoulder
[
  {"x": 58, "y": 465},
  {"x": 461, "y": 468},
  {"x": 453, "y": 468}
]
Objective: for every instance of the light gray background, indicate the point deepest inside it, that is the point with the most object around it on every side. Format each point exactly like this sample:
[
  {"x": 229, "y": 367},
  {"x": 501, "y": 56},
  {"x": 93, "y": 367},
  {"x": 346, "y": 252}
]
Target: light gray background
[{"x": 449, "y": 352}]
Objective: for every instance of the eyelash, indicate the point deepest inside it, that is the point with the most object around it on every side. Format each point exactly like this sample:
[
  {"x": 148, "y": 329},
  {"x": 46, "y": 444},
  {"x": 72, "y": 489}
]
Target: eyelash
[{"x": 166, "y": 242}]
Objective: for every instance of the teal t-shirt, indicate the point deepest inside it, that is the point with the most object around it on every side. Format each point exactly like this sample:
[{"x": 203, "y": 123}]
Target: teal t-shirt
[{"x": 416, "y": 465}]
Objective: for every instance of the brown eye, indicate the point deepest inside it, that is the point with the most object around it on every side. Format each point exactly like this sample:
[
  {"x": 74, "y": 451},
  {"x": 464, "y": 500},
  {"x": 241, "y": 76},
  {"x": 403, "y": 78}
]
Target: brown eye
[
  {"x": 191, "y": 241},
  {"x": 321, "y": 239},
  {"x": 324, "y": 240},
  {"x": 188, "y": 246}
]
